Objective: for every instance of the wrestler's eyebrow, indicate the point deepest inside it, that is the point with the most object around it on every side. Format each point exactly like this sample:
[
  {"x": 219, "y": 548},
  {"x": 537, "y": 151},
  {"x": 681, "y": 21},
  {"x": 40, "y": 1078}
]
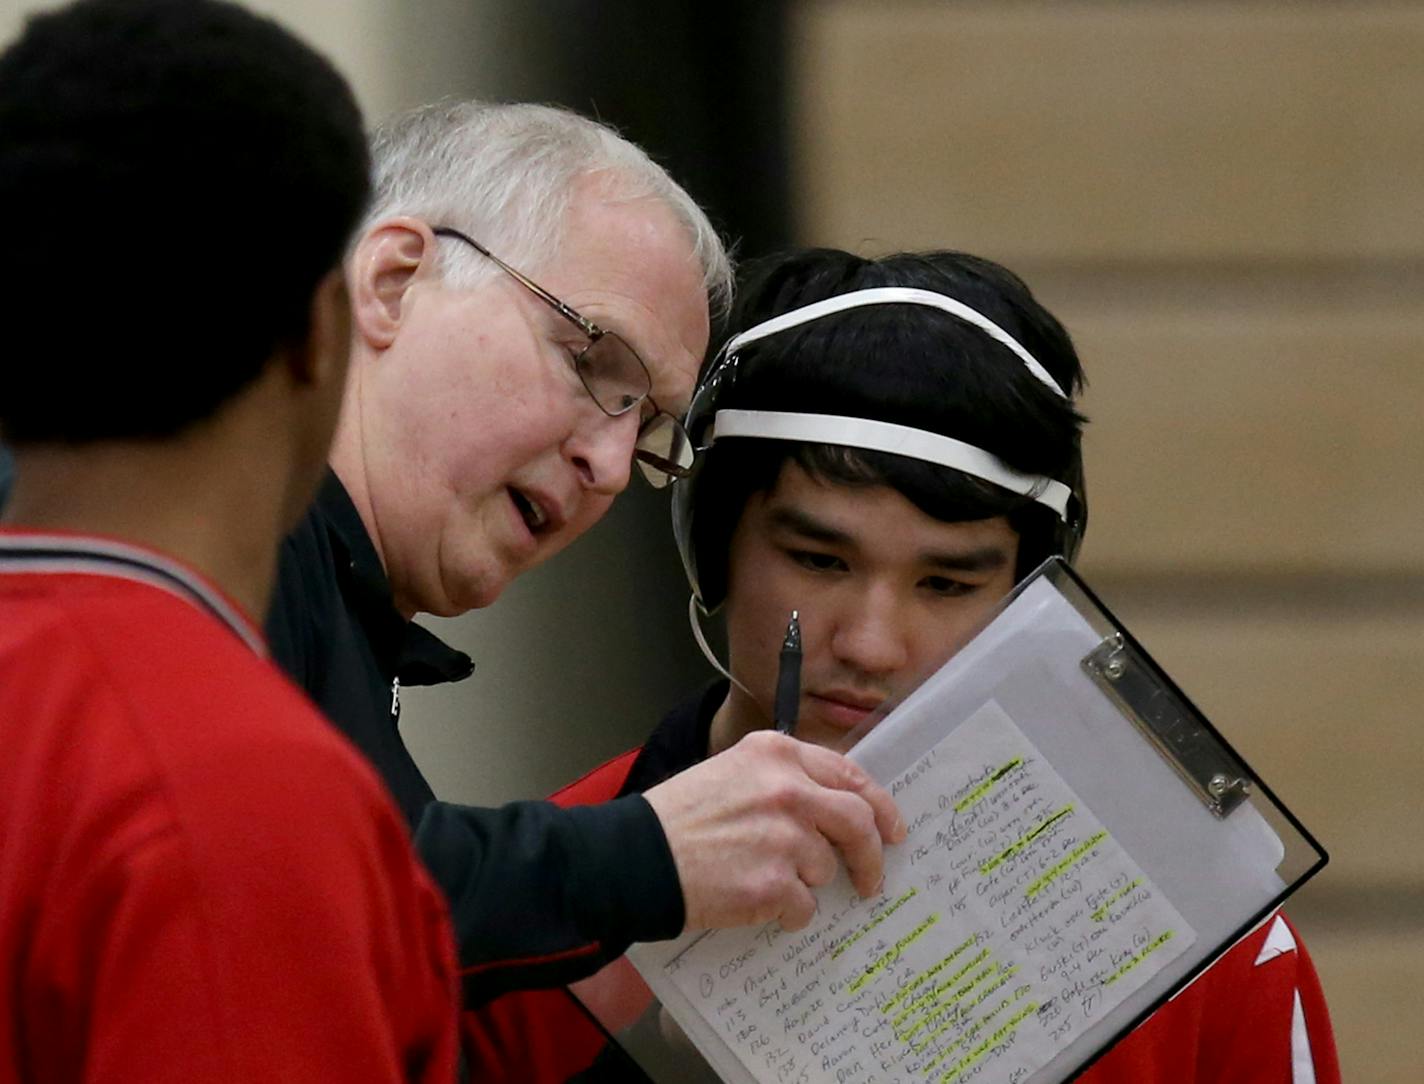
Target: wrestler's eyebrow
[
  {"x": 808, "y": 526},
  {"x": 989, "y": 558}
]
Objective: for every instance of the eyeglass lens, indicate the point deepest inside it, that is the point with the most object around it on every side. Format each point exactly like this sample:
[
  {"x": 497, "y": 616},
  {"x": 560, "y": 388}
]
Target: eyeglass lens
[
  {"x": 617, "y": 381},
  {"x": 614, "y": 376},
  {"x": 663, "y": 451}
]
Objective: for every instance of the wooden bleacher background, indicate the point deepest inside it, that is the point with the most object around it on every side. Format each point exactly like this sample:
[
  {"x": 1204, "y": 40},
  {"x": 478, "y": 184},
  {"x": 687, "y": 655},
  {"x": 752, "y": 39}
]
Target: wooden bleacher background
[{"x": 1225, "y": 204}]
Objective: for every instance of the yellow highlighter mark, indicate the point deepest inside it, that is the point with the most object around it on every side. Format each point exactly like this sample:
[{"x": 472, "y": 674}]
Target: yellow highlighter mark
[
  {"x": 893, "y": 954},
  {"x": 894, "y": 906},
  {"x": 986, "y": 786},
  {"x": 1102, "y": 912},
  {"x": 962, "y": 1010},
  {"x": 1044, "y": 825},
  {"x": 973, "y": 1032},
  {"x": 1002, "y": 1033},
  {"x": 930, "y": 996},
  {"x": 1137, "y": 958},
  {"x": 1056, "y": 871},
  {"x": 909, "y": 988},
  {"x": 936, "y": 1002}
]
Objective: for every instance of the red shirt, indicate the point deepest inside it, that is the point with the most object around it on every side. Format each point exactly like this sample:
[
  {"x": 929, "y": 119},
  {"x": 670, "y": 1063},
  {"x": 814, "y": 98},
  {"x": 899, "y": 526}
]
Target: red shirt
[{"x": 199, "y": 879}]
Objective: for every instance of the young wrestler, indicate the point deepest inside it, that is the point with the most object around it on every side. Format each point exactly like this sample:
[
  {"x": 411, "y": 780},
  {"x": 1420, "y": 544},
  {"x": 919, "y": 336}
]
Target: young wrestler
[
  {"x": 895, "y": 560},
  {"x": 200, "y": 880}
]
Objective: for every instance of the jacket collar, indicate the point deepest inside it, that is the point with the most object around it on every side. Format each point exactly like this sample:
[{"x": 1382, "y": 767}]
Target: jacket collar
[
  {"x": 413, "y": 653},
  {"x": 32, "y": 552}
]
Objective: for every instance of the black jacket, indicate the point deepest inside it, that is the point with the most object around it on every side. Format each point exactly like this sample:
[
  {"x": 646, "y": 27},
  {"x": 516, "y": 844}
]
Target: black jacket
[{"x": 532, "y": 888}]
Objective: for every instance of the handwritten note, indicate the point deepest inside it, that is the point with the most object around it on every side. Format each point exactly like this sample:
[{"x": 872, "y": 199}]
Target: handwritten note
[{"x": 1010, "y": 922}]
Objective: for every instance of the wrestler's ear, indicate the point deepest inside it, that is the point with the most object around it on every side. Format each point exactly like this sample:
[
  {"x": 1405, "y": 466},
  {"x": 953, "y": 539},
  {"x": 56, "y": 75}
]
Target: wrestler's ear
[{"x": 390, "y": 258}]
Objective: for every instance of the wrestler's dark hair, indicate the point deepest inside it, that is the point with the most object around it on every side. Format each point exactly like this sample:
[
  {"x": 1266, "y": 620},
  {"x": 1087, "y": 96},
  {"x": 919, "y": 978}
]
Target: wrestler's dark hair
[
  {"x": 177, "y": 177},
  {"x": 905, "y": 364}
]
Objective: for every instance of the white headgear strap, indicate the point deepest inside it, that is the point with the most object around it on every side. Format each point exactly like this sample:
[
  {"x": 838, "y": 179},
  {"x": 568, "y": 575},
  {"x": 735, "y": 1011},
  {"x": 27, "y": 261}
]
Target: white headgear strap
[
  {"x": 887, "y": 437},
  {"x": 693, "y": 609},
  {"x": 892, "y": 295}
]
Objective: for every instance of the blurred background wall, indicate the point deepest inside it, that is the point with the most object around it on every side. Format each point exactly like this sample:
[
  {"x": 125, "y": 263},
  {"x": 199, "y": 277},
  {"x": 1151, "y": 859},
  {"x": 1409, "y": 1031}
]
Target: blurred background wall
[{"x": 1222, "y": 200}]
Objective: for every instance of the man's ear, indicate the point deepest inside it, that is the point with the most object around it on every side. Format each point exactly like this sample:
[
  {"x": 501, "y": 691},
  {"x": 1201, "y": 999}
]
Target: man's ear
[{"x": 390, "y": 258}]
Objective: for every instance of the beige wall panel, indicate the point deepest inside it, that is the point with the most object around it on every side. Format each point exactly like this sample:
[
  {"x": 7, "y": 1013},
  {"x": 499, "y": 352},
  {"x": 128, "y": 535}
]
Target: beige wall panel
[
  {"x": 1274, "y": 439},
  {"x": 1326, "y": 709},
  {"x": 1371, "y": 980},
  {"x": 1084, "y": 131}
]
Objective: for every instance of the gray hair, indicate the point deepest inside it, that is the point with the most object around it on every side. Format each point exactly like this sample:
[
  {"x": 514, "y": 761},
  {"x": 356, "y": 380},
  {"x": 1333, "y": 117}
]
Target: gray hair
[{"x": 506, "y": 174}]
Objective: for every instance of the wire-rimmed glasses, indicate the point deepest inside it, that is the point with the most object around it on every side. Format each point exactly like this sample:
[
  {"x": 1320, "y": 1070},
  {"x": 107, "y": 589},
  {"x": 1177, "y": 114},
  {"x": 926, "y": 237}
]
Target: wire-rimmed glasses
[{"x": 616, "y": 380}]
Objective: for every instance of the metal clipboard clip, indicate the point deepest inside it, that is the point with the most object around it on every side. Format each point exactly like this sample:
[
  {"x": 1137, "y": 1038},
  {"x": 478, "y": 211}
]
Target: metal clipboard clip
[{"x": 1176, "y": 729}]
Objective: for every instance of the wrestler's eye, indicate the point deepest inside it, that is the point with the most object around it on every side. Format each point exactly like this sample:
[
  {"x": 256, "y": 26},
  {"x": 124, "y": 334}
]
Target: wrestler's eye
[
  {"x": 946, "y": 587},
  {"x": 816, "y": 561}
]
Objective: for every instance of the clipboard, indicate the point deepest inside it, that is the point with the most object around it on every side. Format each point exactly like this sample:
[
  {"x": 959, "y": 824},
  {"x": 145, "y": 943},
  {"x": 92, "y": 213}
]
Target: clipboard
[{"x": 1057, "y": 771}]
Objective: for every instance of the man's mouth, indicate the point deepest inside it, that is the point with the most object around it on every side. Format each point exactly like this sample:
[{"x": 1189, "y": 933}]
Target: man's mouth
[{"x": 535, "y": 518}]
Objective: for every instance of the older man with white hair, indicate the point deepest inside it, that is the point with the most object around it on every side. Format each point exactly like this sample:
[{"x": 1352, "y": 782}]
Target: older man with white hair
[{"x": 530, "y": 298}]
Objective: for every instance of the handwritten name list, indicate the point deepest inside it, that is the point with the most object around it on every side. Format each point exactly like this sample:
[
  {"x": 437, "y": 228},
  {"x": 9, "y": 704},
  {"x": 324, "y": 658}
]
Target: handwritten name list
[{"x": 1010, "y": 922}]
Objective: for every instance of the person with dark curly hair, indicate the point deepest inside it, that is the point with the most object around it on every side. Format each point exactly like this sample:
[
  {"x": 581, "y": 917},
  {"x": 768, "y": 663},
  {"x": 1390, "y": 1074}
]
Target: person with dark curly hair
[{"x": 200, "y": 879}]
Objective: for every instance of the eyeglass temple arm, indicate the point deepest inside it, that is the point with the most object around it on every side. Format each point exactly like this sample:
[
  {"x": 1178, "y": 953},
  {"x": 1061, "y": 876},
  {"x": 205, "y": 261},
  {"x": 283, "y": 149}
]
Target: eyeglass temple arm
[
  {"x": 588, "y": 327},
  {"x": 667, "y": 466}
]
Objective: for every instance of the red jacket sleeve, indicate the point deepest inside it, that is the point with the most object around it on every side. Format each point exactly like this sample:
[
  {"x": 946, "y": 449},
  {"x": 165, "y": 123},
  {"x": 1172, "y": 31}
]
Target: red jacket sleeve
[{"x": 543, "y": 1036}]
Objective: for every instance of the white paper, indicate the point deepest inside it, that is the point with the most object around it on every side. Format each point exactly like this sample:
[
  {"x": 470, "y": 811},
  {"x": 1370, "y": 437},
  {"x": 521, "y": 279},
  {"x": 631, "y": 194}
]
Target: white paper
[{"x": 1011, "y": 921}]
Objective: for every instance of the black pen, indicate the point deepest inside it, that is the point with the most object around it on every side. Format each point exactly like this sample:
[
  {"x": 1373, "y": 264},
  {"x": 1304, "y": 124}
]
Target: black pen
[{"x": 788, "y": 679}]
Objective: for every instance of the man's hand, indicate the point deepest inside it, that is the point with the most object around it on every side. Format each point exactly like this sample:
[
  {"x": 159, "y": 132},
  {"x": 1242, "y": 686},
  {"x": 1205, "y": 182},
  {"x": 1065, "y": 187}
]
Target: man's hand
[{"x": 755, "y": 828}]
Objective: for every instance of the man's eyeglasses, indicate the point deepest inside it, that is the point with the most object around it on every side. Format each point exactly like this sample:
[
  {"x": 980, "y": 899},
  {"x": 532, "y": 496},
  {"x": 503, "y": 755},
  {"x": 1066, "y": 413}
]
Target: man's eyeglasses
[{"x": 616, "y": 379}]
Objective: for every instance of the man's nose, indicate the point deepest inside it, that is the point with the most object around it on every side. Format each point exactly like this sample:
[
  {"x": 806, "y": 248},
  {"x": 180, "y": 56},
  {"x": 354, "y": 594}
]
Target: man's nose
[
  {"x": 869, "y": 633},
  {"x": 601, "y": 450}
]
